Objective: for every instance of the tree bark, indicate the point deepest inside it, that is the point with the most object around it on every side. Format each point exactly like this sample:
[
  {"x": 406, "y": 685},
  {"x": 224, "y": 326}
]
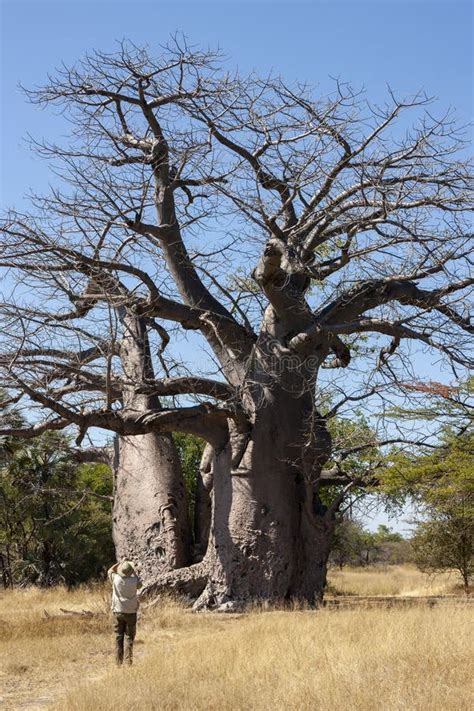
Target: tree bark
[
  {"x": 150, "y": 512},
  {"x": 270, "y": 535},
  {"x": 150, "y": 516}
]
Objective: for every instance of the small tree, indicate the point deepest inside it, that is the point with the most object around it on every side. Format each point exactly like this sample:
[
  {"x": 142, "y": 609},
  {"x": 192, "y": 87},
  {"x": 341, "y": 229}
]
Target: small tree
[
  {"x": 445, "y": 542},
  {"x": 440, "y": 486},
  {"x": 444, "y": 490}
]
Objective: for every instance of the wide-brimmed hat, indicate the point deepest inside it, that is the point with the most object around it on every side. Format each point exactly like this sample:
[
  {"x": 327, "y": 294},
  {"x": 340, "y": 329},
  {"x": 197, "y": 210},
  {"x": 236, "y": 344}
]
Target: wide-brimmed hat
[{"x": 126, "y": 568}]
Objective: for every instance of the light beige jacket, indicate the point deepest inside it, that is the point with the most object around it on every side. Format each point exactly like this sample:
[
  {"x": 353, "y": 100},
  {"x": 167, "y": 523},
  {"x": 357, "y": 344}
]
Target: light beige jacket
[{"x": 124, "y": 593}]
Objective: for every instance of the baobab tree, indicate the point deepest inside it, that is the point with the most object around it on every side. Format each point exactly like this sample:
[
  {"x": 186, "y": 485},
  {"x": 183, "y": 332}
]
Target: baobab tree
[{"x": 281, "y": 236}]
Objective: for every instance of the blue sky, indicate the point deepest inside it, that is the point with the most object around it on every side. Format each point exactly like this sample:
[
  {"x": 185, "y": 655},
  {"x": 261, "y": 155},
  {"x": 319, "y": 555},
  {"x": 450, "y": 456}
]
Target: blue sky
[{"x": 406, "y": 44}]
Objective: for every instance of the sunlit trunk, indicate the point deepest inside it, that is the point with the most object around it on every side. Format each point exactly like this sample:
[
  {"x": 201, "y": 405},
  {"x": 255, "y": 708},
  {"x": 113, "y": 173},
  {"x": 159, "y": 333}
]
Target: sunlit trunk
[
  {"x": 150, "y": 513},
  {"x": 270, "y": 536}
]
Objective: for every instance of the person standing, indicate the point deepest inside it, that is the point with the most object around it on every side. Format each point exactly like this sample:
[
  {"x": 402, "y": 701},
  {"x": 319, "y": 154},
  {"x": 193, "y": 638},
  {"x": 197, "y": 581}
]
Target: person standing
[{"x": 125, "y": 586}]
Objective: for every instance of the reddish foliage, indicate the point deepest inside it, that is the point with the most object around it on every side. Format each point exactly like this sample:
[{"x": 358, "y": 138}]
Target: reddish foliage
[{"x": 430, "y": 387}]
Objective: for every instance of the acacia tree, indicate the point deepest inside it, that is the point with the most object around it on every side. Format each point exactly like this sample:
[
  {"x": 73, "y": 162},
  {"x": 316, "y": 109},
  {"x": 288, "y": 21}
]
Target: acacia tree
[
  {"x": 280, "y": 234},
  {"x": 439, "y": 483}
]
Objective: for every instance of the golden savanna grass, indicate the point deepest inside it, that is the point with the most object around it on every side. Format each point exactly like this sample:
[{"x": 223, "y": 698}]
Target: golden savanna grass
[
  {"x": 333, "y": 659},
  {"x": 404, "y": 580}
]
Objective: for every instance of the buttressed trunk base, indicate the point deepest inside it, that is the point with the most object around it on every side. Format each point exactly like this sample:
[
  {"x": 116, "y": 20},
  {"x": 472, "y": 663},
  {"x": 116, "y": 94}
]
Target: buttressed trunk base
[{"x": 270, "y": 536}]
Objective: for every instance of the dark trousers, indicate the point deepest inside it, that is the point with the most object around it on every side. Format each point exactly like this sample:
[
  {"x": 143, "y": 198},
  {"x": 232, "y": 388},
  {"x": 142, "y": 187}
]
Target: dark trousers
[{"x": 125, "y": 628}]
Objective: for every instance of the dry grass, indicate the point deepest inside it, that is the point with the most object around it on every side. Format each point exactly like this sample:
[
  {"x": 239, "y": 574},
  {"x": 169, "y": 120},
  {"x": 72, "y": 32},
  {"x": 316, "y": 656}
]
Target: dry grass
[
  {"x": 403, "y": 580},
  {"x": 368, "y": 660},
  {"x": 344, "y": 660},
  {"x": 37, "y": 653}
]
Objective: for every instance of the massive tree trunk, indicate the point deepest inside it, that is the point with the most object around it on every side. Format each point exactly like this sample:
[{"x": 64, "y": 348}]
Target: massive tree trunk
[
  {"x": 150, "y": 512},
  {"x": 150, "y": 516},
  {"x": 270, "y": 534}
]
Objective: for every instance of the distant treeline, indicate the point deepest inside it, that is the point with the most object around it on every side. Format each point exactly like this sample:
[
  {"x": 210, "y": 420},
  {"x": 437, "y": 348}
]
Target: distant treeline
[{"x": 357, "y": 546}]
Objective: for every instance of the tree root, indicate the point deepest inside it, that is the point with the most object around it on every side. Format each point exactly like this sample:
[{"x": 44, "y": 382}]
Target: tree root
[{"x": 186, "y": 581}]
